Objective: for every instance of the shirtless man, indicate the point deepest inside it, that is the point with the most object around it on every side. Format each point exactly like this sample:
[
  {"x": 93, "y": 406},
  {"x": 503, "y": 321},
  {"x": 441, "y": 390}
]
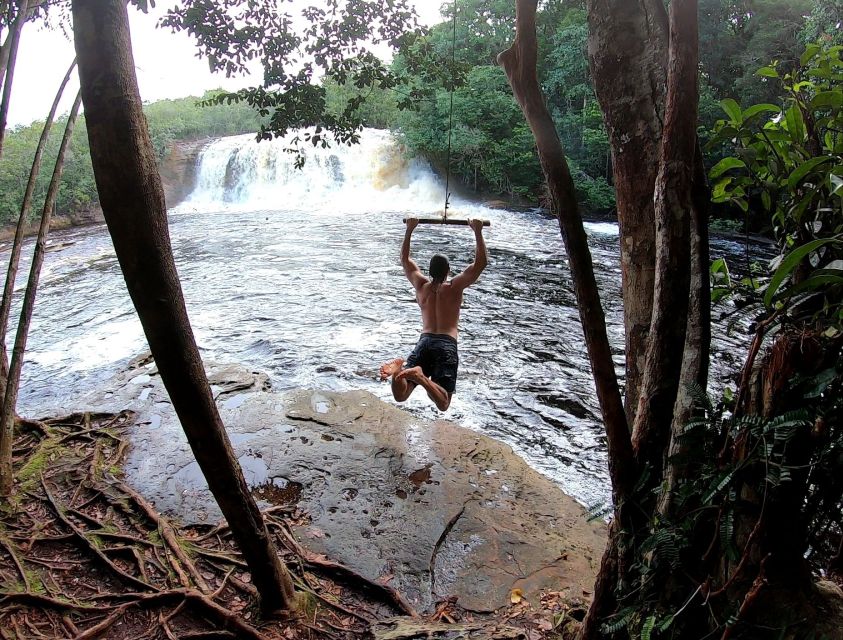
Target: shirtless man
[{"x": 433, "y": 363}]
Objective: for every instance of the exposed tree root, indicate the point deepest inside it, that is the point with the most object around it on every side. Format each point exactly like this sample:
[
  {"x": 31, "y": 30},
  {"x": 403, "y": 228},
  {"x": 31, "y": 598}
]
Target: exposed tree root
[
  {"x": 91, "y": 546},
  {"x": 84, "y": 556},
  {"x": 169, "y": 535},
  {"x": 337, "y": 570},
  {"x": 205, "y": 606},
  {"x": 143, "y": 576}
]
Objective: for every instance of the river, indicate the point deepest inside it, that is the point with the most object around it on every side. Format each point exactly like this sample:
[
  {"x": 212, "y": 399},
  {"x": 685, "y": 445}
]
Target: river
[{"x": 296, "y": 273}]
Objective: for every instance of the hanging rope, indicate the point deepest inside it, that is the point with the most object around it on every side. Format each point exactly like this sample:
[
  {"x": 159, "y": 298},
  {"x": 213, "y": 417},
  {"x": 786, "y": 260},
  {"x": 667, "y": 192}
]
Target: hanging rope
[{"x": 451, "y": 113}]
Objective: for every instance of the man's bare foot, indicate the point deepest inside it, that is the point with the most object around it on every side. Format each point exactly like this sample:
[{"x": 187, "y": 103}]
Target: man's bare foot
[
  {"x": 391, "y": 368},
  {"x": 413, "y": 374}
]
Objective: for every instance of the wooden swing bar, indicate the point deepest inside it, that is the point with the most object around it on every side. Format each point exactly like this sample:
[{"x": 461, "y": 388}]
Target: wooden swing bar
[{"x": 452, "y": 221}]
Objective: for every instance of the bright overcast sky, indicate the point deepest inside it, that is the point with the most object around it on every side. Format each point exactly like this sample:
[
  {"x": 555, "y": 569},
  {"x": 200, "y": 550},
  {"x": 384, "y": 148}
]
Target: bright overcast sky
[{"x": 167, "y": 65}]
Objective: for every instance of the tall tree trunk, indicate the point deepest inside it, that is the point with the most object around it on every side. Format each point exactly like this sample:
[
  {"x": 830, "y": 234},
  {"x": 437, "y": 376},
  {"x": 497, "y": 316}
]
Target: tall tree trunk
[
  {"x": 132, "y": 200},
  {"x": 666, "y": 337},
  {"x": 627, "y": 50},
  {"x": 14, "y": 34},
  {"x": 666, "y": 340},
  {"x": 519, "y": 63},
  {"x": 14, "y": 257},
  {"x": 10, "y": 397}
]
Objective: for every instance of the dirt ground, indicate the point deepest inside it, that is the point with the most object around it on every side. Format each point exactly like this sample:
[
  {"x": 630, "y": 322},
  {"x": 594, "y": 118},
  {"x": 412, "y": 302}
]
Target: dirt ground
[{"x": 83, "y": 556}]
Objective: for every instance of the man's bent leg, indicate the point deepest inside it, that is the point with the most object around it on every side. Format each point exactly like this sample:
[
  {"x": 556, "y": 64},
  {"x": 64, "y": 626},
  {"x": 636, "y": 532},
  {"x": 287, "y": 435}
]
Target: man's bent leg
[
  {"x": 440, "y": 397},
  {"x": 401, "y": 388}
]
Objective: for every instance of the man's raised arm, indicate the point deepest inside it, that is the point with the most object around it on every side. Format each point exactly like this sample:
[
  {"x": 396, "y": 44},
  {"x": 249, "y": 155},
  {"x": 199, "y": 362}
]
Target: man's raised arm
[
  {"x": 473, "y": 271},
  {"x": 411, "y": 269}
]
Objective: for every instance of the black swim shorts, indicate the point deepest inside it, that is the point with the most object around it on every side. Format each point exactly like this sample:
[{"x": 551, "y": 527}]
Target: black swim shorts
[{"x": 437, "y": 355}]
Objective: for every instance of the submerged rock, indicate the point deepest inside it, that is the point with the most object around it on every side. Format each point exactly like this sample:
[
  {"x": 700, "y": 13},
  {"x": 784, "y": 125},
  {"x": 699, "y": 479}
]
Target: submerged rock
[{"x": 433, "y": 509}]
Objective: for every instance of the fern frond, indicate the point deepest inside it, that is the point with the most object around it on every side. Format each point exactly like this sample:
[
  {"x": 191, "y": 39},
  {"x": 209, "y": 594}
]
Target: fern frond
[
  {"x": 785, "y": 425},
  {"x": 700, "y": 397},
  {"x": 664, "y": 625},
  {"x": 727, "y": 529},
  {"x": 647, "y": 627},
  {"x": 620, "y": 620},
  {"x": 719, "y": 485}
]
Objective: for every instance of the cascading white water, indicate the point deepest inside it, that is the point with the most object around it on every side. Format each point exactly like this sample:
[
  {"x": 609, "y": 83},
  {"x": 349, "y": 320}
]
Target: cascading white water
[{"x": 375, "y": 175}]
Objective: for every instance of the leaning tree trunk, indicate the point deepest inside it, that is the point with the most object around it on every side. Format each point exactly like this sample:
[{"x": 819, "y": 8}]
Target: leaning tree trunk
[
  {"x": 14, "y": 35},
  {"x": 519, "y": 62},
  {"x": 627, "y": 50},
  {"x": 14, "y": 257},
  {"x": 132, "y": 200},
  {"x": 10, "y": 397}
]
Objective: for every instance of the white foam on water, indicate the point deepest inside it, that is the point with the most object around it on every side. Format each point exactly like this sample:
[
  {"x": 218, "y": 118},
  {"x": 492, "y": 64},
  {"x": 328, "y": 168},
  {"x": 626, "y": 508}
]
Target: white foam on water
[
  {"x": 112, "y": 341},
  {"x": 239, "y": 173},
  {"x": 604, "y": 228}
]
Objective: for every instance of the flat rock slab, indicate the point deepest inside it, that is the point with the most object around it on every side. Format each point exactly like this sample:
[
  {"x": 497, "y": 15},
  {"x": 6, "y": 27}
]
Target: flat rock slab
[{"x": 433, "y": 509}]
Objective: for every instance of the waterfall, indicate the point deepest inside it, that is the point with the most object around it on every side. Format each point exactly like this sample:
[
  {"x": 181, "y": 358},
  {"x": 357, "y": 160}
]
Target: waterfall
[{"x": 237, "y": 172}]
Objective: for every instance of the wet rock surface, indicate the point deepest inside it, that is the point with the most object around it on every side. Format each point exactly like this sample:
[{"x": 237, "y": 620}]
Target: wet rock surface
[{"x": 430, "y": 508}]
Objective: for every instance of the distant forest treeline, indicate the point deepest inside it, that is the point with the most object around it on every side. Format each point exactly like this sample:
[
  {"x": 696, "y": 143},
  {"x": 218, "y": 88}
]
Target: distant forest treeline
[
  {"x": 492, "y": 149},
  {"x": 491, "y": 146},
  {"x": 169, "y": 120}
]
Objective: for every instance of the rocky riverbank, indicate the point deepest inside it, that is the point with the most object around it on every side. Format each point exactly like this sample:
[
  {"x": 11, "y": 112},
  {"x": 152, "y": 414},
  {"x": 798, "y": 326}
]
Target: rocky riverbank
[{"x": 432, "y": 509}]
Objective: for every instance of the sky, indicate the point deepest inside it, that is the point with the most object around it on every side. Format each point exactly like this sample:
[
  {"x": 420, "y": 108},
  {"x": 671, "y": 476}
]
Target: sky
[{"x": 166, "y": 64}]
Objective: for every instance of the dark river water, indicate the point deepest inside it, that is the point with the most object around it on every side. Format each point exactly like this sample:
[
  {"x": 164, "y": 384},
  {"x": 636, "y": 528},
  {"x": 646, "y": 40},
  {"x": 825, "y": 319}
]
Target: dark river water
[{"x": 298, "y": 275}]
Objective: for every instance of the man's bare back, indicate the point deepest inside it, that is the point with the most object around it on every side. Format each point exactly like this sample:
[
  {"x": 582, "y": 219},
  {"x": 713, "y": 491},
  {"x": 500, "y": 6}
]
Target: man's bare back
[
  {"x": 433, "y": 363},
  {"x": 440, "y": 307}
]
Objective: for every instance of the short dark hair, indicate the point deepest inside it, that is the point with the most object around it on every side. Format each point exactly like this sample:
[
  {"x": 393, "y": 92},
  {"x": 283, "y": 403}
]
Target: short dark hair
[{"x": 439, "y": 268}]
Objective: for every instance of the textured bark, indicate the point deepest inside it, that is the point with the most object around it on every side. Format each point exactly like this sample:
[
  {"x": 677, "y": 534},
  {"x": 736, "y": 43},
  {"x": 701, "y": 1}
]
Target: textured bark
[
  {"x": 132, "y": 199},
  {"x": 627, "y": 50},
  {"x": 14, "y": 257},
  {"x": 519, "y": 62},
  {"x": 666, "y": 340},
  {"x": 10, "y": 397},
  {"x": 14, "y": 41},
  {"x": 695, "y": 359}
]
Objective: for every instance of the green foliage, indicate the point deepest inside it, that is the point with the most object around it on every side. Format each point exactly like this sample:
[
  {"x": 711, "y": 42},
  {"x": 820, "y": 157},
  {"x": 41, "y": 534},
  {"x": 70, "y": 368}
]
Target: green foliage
[
  {"x": 736, "y": 34},
  {"x": 492, "y": 149},
  {"x": 722, "y": 491},
  {"x": 491, "y": 145},
  {"x": 337, "y": 43},
  {"x": 379, "y": 110},
  {"x": 169, "y": 121},
  {"x": 786, "y": 163}
]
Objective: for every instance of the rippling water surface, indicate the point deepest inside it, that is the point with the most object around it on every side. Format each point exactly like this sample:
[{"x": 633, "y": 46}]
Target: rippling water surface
[{"x": 317, "y": 298}]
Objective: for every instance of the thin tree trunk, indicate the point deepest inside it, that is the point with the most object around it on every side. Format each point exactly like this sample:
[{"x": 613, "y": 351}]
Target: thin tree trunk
[
  {"x": 666, "y": 340},
  {"x": 695, "y": 360},
  {"x": 132, "y": 200},
  {"x": 14, "y": 257},
  {"x": 627, "y": 51},
  {"x": 14, "y": 34},
  {"x": 4, "y": 58},
  {"x": 519, "y": 62},
  {"x": 10, "y": 398}
]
